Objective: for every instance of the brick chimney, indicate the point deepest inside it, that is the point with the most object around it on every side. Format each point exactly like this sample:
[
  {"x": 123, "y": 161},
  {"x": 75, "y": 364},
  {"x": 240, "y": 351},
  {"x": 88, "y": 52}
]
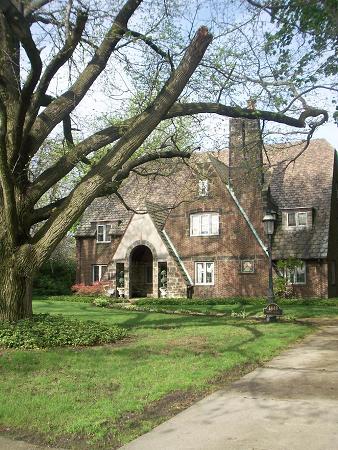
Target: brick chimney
[
  {"x": 245, "y": 159},
  {"x": 246, "y": 167}
]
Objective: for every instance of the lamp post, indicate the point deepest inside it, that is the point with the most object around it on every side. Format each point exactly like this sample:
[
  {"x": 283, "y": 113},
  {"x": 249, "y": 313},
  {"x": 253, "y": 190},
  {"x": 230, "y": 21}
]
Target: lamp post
[{"x": 269, "y": 227}]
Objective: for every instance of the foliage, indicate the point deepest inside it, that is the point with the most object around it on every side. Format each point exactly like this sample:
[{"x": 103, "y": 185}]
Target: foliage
[
  {"x": 55, "y": 278},
  {"x": 65, "y": 298},
  {"x": 101, "y": 302},
  {"x": 94, "y": 289},
  {"x": 282, "y": 286},
  {"x": 44, "y": 330},
  {"x": 316, "y": 19}
]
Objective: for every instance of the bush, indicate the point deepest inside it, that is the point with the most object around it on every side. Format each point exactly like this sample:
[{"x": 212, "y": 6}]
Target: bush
[
  {"x": 43, "y": 330},
  {"x": 64, "y": 298},
  {"x": 92, "y": 290},
  {"x": 102, "y": 302},
  {"x": 54, "y": 278}
]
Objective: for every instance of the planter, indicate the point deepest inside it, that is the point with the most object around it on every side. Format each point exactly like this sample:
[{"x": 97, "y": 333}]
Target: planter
[
  {"x": 120, "y": 291},
  {"x": 163, "y": 292}
]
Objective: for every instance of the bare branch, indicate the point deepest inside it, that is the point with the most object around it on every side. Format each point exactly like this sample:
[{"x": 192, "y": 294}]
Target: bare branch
[
  {"x": 116, "y": 159},
  {"x": 68, "y": 101},
  {"x": 35, "y": 6}
]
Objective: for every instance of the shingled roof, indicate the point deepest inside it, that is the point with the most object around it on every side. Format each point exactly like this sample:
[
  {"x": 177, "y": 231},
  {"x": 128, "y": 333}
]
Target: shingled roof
[{"x": 306, "y": 182}]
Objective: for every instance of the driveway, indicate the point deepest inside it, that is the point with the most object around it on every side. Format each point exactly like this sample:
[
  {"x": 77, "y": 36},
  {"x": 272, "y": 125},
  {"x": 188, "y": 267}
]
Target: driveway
[{"x": 291, "y": 403}]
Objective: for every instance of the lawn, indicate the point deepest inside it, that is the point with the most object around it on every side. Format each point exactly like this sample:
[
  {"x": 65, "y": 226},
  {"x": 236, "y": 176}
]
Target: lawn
[{"x": 105, "y": 396}]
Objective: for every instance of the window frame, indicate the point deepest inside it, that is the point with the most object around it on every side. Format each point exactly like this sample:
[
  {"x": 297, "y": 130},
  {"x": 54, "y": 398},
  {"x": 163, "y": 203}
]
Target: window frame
[
  {"x": 205, "y": 282},
  {"x": 204, "y": 215},
  {"x": 100, "y": 266},
  {"x": 203, "y": 187},
  {"x": 106, "y": 237},
  {"x": 293, "y": 273},
  {"x": 297, "y": 224}
]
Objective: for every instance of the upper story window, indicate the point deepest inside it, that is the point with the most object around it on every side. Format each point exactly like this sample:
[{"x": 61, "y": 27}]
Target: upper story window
[
  {"x": 204, "y": 224},
  {"x": 294, "y": 220},
  {"x": 203, "y": 188},
  {"x": 102, "y": 233}
]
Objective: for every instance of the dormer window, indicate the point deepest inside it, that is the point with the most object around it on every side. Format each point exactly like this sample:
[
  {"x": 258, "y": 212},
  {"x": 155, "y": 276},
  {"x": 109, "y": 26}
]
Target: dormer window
[
  {"x": 294, "y": 220},
  {"x": 102, "y": 233},
  {"x": 203, "y": 188}
]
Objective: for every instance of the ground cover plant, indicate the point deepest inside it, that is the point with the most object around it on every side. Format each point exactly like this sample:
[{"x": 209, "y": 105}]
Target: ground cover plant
[
  {"x": 104, "y": 396},
  {"x": 292, "y": 307},
  {"x": 44, "y": 330}
]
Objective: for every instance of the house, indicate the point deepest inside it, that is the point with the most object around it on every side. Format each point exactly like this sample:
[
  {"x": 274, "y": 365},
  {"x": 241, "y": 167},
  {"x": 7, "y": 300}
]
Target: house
[{"x": 196, "y": 228}]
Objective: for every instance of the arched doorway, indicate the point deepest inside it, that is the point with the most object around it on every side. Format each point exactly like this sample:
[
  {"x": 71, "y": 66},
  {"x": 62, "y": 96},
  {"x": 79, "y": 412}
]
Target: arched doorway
[{"x": 141, "y": 272}]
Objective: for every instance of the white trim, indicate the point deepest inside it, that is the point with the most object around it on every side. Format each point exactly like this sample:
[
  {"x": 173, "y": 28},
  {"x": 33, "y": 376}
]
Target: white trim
[
  {"x": 297, "y": 224},
  {"x": 100, "y": 266},
  {"x": 204, "y": 263},
  {"x": 203, "y": 188},
  {"x": 177, "y": 256},
  {"x": 252, "y": 228},
  {"x": 206, "y": 215},
  {"x": 105, "y": 227}
]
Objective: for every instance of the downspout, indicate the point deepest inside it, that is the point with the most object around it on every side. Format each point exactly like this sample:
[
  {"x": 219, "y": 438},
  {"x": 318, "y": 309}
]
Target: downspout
[
  {"x": 177, "y": 256},
  {"x": 246, "y": 218}
]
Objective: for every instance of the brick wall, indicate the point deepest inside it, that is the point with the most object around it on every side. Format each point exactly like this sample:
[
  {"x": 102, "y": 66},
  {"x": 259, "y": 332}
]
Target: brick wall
[
  {"x": 234, "y": 242},
  {"x": 89, "y": 252}
]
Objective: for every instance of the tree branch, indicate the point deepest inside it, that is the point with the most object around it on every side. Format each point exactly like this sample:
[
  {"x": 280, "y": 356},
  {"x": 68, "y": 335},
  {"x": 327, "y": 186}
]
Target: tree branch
[
  {"x": 92, "y": 184},
  {"x": 110, "y": 134},
  {"x": 68, "y": 101},
  {"x": 35, "y": 6},
  {"x": 56, "y": 63}
]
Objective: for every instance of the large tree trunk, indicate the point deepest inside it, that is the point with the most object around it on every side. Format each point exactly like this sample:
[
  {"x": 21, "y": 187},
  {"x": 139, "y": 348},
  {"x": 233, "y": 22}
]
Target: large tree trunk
[{"x": 15, "y": 292}]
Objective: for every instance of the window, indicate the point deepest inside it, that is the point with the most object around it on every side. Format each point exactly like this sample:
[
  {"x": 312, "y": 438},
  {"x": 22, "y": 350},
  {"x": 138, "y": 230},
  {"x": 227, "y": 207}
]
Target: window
[
  {"x": 203, "y": 188},
  {"x": 247, "y": 266},
  {"x": 98, "y": 272},
  {"x": 297, "y": 219},
  {"x": 204, "y": 224},
  {"x": 102, "y": 233},
  {"x": 297, "y": 275},
  {"x": 204, "y": 273}
]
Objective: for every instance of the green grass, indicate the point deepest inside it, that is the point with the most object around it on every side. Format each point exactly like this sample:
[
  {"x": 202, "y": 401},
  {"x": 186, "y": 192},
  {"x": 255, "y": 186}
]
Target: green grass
[
  {"x": 108, "y": 395},
  {"x": 296, "y": 308}
]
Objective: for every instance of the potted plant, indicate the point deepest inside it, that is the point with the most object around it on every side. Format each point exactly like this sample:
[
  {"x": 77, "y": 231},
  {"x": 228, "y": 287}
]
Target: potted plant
[
  {"x": 163, "y": 283},
  {"x": 120, "y": 284}
]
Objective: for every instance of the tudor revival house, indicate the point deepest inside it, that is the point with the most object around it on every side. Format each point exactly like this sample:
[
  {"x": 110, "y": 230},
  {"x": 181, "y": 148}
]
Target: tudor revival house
[{"x": 197, "y": 227}]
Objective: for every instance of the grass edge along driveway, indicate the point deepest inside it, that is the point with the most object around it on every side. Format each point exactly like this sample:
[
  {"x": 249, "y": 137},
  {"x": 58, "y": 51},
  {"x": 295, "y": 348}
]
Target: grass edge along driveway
[{"x": 103, "y": 397}]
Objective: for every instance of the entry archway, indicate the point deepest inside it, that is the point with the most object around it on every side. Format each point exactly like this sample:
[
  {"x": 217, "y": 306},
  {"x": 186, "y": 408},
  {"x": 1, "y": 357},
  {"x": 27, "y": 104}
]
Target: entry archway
[{"x": 141, "y": 272}]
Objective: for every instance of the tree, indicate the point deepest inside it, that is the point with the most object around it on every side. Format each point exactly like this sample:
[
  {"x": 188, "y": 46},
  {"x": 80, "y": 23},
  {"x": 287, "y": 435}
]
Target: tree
[
  {"x": 31, "y": 230},
  {"x": 318, "y": 20}
]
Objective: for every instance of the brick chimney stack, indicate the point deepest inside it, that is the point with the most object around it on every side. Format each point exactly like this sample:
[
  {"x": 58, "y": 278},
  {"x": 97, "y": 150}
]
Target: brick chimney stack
[{"x": 245, "y": 159}]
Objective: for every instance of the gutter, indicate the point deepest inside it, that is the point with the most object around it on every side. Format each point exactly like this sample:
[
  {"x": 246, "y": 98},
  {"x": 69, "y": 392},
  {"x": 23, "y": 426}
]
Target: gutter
[
  {"x": 244, "y": 214},
  {"x": 177, "y": 256}
]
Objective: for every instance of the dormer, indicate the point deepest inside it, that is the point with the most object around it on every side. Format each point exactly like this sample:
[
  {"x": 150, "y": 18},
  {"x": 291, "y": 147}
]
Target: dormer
[{"x": 297, "y": 218}]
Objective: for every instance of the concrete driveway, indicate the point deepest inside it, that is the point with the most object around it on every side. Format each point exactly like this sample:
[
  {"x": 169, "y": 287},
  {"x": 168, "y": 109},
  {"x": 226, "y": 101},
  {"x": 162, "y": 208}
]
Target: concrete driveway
[{"x": 291, "y": 403}]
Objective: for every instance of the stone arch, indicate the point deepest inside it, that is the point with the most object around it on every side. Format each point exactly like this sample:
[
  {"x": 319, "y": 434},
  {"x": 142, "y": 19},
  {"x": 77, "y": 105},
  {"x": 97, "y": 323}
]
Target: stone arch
[{"x": 141, "y": 257}]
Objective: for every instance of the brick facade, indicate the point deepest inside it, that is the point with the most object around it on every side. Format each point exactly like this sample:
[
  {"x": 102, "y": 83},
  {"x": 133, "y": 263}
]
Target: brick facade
[{"x": 240, "y": 194}]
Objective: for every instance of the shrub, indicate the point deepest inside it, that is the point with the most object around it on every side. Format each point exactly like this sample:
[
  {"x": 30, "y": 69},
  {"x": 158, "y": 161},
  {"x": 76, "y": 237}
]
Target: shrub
[
  {"x": 65, "y": 298},
  {"x": 199, "y": 301},
  {"x": 102, "y": 302},
  {"x": 92, "y": 290},
  {"x": 54, "y": 278},
  {"x": 43, "y": 330}
]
